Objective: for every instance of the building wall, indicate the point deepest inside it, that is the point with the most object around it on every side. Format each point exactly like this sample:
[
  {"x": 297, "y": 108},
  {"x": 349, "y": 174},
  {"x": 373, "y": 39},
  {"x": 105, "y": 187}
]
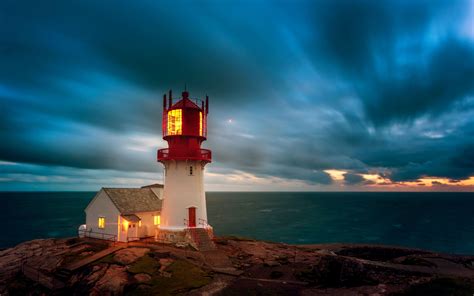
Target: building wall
[
  {"x": 181, "y": 191},
  {"x": 147, "y": 227},
  {"x": 102, "y": 206}
]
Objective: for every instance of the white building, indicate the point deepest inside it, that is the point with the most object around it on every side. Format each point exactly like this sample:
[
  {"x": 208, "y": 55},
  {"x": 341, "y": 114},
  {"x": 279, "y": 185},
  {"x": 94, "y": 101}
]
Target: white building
[
  {"x": 184, "y": 217},
  {"x": 175, "y": 212},
  {"x": 124, "y": 214}
]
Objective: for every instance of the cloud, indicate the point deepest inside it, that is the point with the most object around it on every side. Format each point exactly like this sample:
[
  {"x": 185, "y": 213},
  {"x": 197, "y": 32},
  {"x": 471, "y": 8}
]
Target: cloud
[
  {"x": 369, "y": 88},
  {"x": 352, "y": 179}
]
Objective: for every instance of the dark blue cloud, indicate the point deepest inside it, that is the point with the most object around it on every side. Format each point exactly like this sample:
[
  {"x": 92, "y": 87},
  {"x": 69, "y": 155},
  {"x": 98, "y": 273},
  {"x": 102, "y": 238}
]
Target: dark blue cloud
[{"x": 360, "y": 86}]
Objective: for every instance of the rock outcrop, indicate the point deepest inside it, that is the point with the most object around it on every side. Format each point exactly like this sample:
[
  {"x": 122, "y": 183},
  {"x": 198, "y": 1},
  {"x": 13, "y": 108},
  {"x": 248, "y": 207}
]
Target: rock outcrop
[{"x": 234, "y": 266}]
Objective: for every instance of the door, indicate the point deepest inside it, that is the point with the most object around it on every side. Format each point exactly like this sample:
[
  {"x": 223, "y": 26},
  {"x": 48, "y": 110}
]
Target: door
[
  {"x": 192, "y": 217},
  {"x": 132, "y": 232}
]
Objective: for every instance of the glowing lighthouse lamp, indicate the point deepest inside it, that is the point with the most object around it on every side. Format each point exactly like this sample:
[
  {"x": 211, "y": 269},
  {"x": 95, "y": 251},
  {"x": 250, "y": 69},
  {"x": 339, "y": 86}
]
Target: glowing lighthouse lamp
[{"x": 184, "y": 205}]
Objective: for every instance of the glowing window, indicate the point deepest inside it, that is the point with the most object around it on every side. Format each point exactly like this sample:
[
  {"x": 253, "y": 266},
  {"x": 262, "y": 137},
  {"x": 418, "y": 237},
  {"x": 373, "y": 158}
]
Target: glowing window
[
  {"x": 200, "y": 123},
  {"x": 175, "y": 122},
  {"x": 156, "y": 219},
  {"x": 101, "y": 222}
]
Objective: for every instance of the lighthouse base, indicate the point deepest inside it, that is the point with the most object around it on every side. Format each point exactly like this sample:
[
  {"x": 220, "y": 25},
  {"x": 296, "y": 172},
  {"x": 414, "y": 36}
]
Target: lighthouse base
[{"x": 200, "y": 238}]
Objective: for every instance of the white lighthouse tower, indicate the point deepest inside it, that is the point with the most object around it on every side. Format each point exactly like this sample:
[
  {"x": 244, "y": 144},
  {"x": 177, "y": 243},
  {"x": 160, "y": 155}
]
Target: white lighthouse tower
[{"x": 184, "y": 215}]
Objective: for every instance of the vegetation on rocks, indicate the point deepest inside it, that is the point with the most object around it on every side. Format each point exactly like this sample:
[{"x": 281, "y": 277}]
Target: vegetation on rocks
[
  {"x": 236, "y": 267},
  {"x": 182, "y": 277},
  {"x": 145, "y": 264}
]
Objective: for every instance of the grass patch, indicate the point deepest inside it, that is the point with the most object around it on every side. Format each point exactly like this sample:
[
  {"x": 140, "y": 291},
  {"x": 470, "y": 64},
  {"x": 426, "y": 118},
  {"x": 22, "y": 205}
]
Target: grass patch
[
  {"x": 145, "y": 264},
  {"x": 184, "y": 278},
  {"x": 442, "y": 287}
]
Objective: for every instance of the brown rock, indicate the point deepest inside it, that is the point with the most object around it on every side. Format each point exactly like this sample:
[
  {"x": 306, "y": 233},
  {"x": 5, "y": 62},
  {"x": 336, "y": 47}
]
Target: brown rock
[
  {"x": 142, "y": 277},
  {"x": 112, "y": 283},
  {"x": 271, "y": 263},
  {"x": 130, "y": 255},
  {"x": 97, "y": 272}
]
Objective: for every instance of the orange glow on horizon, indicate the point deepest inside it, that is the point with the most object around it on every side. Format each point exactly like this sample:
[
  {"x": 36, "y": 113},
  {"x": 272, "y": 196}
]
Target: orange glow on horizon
[
  {"x": 336, "y": 175},
  {"x": 379, "y": 181},
  {"x": 376, "y": 179},
  {"x": 432, "y": 181}
]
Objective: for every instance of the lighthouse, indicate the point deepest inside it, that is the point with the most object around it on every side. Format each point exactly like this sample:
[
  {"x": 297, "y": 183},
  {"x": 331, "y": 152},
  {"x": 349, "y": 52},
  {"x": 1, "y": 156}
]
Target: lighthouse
[{"x": 183, "y": 215}]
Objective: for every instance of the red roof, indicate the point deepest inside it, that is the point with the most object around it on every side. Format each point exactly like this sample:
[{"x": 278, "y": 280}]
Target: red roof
[{"x": 185, "y": 103}]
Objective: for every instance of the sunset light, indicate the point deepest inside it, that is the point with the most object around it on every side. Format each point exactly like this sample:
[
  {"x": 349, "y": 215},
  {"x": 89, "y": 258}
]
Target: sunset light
[{"x": 236, "y": 147}]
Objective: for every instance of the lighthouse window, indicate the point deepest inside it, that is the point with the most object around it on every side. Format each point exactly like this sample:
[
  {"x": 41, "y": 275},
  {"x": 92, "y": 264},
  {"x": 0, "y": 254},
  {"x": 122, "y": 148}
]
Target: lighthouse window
[
  {"x": 175, "y": 122},
  {"x": 101, "y": 222},
  {"x": 200, "y": 123},
  {"x": 190, "y": 170}
]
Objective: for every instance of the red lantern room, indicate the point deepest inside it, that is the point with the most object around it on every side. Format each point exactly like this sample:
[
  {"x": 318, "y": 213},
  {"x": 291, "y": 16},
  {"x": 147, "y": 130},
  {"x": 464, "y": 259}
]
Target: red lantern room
[{"x": 184, "y": 128}]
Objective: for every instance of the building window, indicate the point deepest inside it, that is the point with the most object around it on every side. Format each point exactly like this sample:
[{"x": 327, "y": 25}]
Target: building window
[
  {"x": 101, "y": 222},
  {"x": 175, "y": 122},
  {"x": 156, "y": 219},
  {"x": 191, "y": 170}
]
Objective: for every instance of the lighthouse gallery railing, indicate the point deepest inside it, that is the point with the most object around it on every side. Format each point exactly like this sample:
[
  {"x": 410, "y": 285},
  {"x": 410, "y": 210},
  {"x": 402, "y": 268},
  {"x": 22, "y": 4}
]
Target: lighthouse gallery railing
[{"x": 200, "y": 154}]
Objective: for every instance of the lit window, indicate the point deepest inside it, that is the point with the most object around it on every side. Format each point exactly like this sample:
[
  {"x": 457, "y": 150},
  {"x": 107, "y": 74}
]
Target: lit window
[
  {"x": 200, "y": 123},
  {"x": 101, "y": 222},
  {"x": 156, "y": 219},
  {"x": 175, "y": 122}
]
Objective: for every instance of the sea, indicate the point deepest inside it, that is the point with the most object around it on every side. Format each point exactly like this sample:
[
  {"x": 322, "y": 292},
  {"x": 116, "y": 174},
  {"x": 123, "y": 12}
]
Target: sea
[{"x": 442, "y": 222}]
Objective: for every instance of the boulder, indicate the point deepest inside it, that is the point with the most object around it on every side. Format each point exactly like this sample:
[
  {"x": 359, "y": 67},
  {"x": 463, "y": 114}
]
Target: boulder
[
  {"x": 112, "y": 283},
  {"x": 130, "y": 255},
  {"x": 142, "y": 277},
  {"x": 96, "y": 273},
  {"x": 271, "y": 263}
]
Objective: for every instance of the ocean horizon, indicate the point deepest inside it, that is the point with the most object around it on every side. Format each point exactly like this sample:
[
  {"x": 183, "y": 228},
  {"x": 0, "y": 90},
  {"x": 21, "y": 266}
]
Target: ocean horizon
[{"x": 438, "y": 221}]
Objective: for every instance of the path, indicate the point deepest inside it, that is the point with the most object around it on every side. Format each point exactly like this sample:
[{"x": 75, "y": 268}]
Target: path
[{"x": 78, "y": 264}]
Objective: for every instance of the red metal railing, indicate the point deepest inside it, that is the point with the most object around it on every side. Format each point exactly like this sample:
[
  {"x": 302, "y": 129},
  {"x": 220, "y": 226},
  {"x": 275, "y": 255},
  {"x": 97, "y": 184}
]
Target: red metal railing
[{"x": 200, "y": 154}]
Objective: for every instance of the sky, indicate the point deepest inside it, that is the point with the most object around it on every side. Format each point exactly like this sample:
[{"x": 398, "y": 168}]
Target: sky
[{"x": 304, "y": 95}]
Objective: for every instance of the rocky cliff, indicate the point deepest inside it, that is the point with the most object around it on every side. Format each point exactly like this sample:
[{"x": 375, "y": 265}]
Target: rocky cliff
[{"x": 238, "y": 267}]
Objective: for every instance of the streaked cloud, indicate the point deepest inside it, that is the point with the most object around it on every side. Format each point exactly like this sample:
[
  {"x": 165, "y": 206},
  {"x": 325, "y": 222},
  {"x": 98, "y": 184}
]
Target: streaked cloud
[{"x": 305, "y": 95}]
